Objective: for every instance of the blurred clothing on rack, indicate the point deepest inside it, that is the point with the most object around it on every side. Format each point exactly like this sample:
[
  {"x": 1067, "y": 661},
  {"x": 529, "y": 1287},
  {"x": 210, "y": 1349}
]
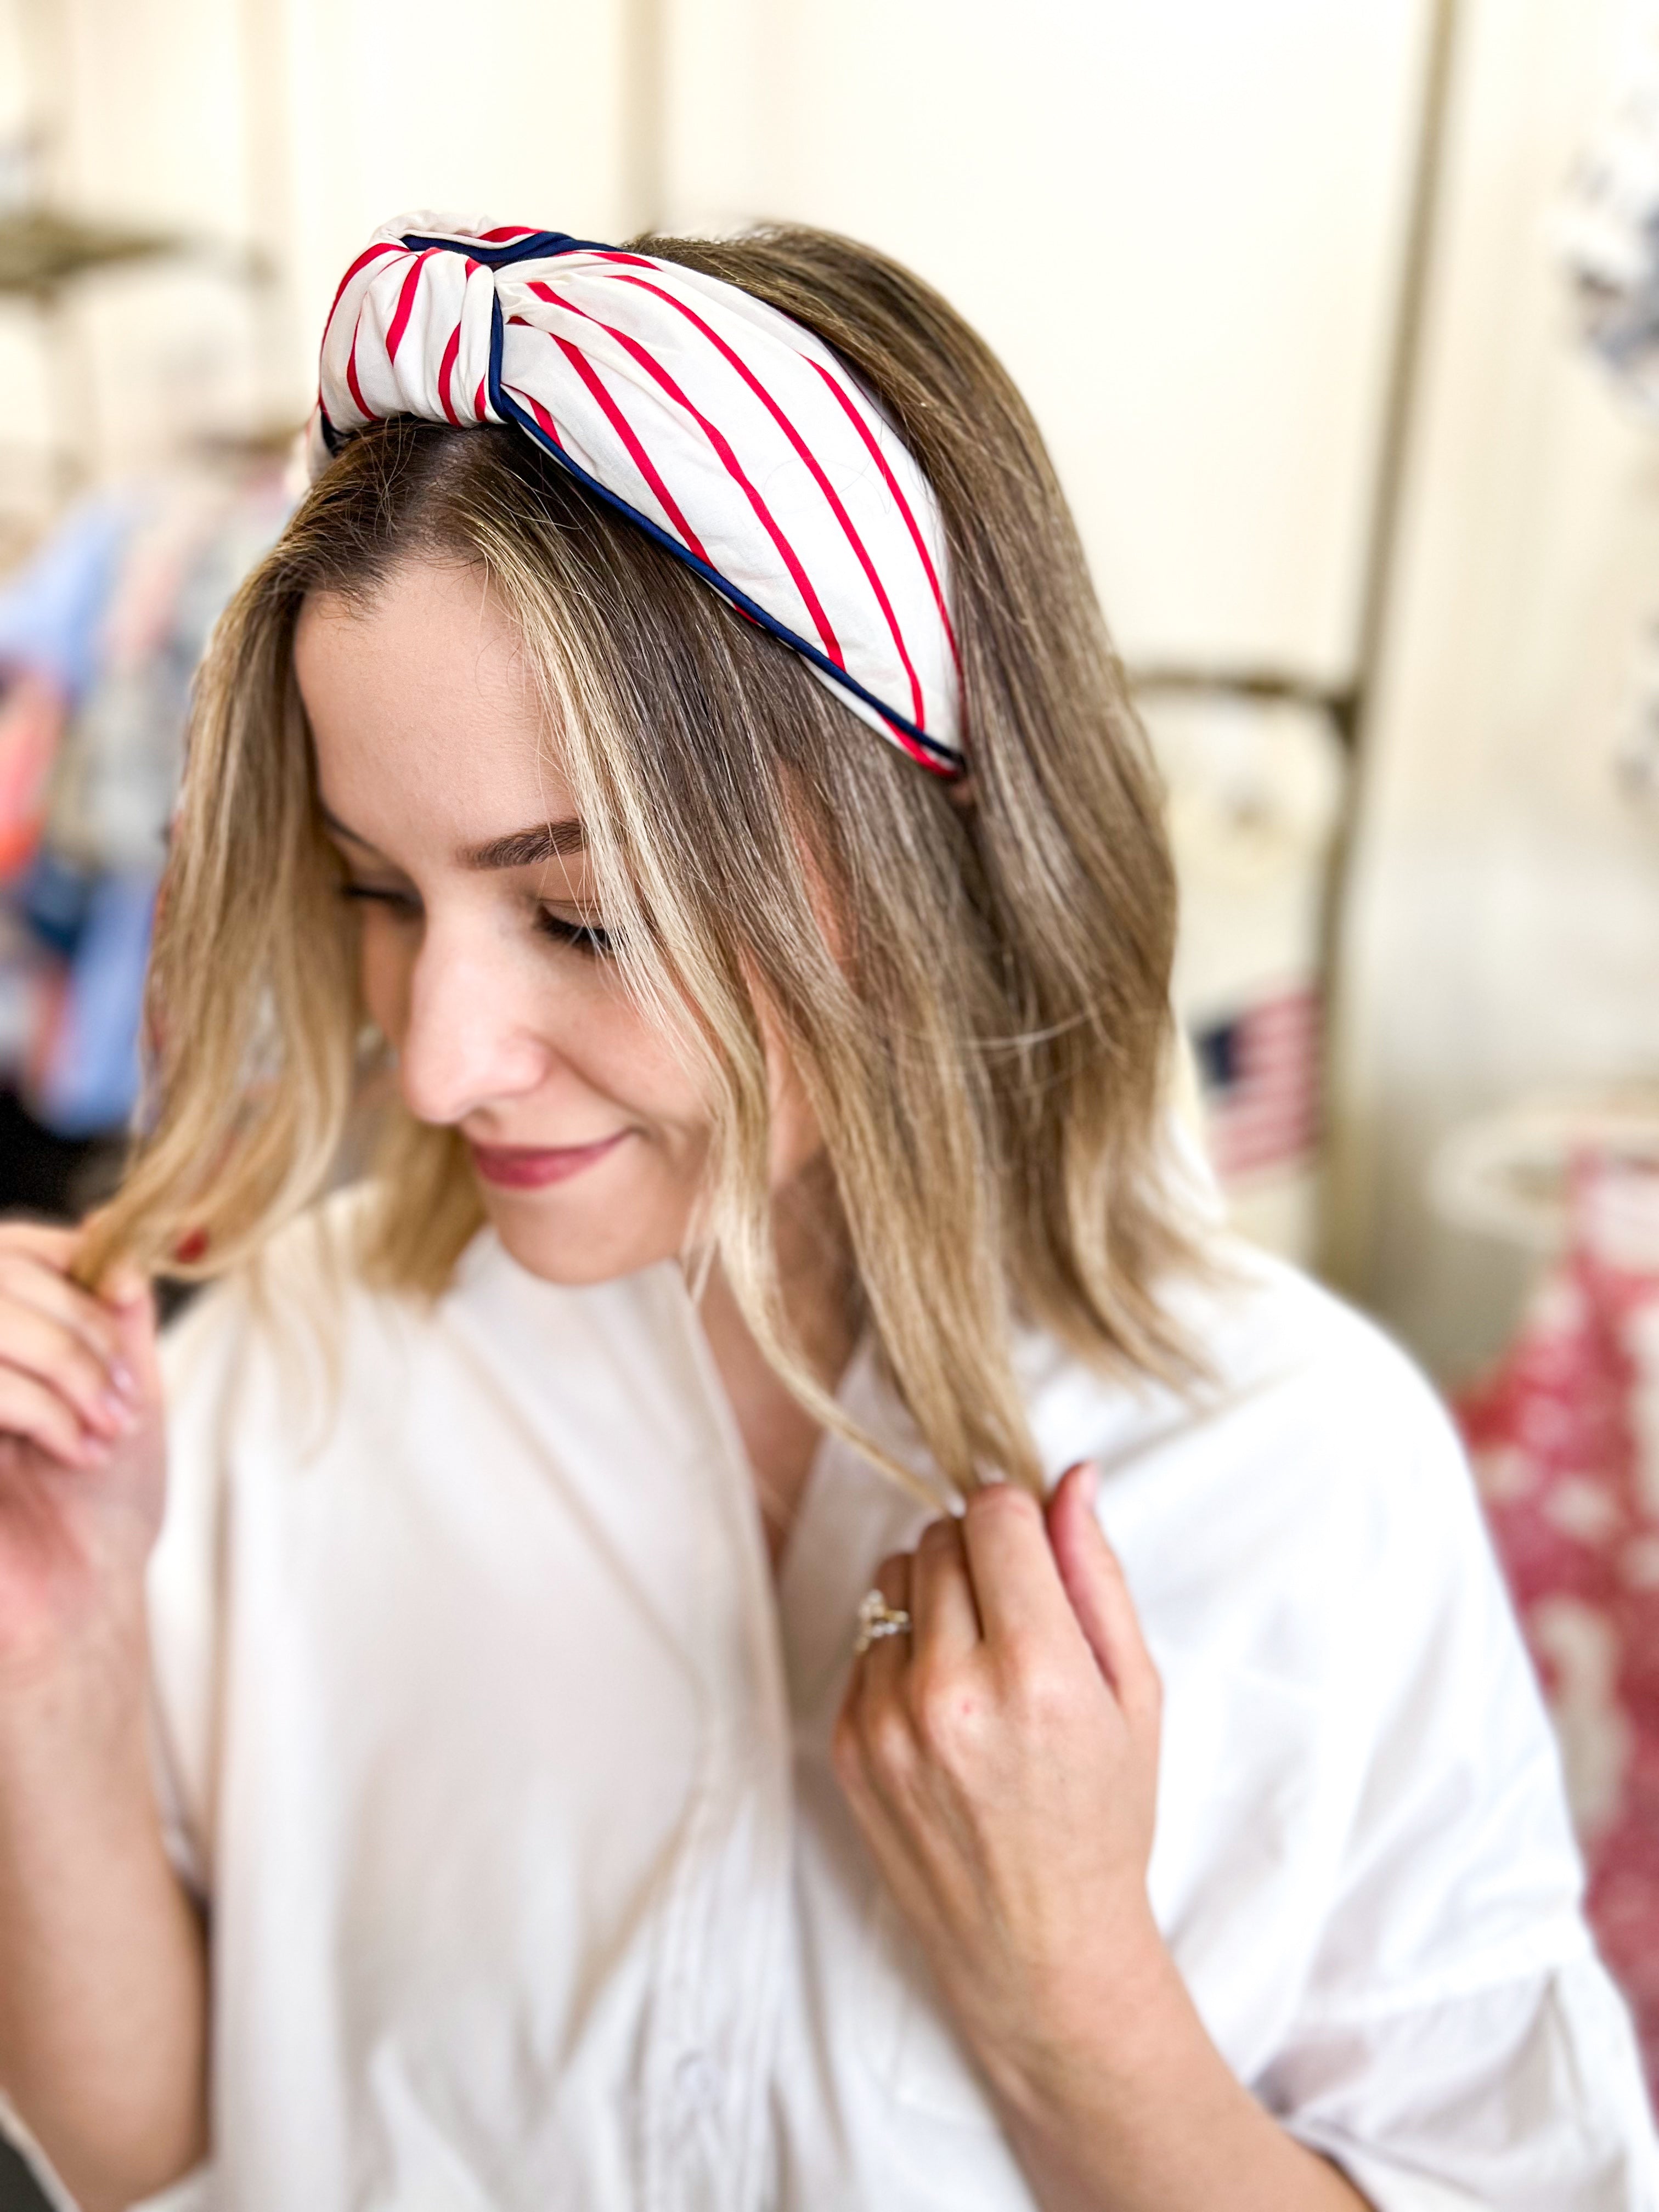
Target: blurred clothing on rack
[
  {"x": 32, "y": 715},
  {"x": 51, "y": 610},
  {"x": 100, "y": 635},
  {"x": 1607, "y": 223},
  {"x": 1565, "y": 1436}
]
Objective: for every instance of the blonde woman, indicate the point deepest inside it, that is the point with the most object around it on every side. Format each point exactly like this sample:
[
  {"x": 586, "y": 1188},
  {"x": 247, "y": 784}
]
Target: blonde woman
[{"x": 589, "y": 1672}]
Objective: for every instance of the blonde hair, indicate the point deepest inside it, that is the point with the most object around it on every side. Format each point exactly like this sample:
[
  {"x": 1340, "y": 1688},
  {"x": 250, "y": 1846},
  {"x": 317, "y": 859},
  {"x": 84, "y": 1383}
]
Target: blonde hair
[{"x": 984, "y": 1041}]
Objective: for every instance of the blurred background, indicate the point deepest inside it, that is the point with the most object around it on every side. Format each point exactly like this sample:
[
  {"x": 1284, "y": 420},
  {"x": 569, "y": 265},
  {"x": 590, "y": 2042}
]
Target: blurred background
[
  {"x": 1341, "y": 317},
  {"x": 1293, "y": 289}
]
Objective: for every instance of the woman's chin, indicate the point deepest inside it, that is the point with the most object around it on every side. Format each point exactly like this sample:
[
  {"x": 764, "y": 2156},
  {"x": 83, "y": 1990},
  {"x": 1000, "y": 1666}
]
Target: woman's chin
[{"x": 547, "y": 1241}]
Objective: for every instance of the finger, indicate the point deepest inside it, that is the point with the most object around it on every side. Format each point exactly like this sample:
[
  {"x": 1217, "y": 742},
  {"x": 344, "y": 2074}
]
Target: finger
[
  {"x": 878, "y": 1669},
  {"x": 942, "y": 1596},
  {"x": 54, "y": 1249},
  {"x": 1094, "y": 1582},
  {"x": 51, "y": 1353},
  {"x": 126, "y": 1284},
  {"x": 30, "y": 1410},
  {"x": 133, "y": 1312},
  {"x": 1017, "y": 1584},
  {"x": 29, "y": 1281},
  {"x": 41, "y": 1240}
]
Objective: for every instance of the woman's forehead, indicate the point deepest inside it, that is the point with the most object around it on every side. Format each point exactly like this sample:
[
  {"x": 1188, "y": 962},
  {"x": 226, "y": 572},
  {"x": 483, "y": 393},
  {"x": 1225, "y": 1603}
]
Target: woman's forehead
[
  {"x": 426, "y": 623},
  {"x": 422, "y": 716}
]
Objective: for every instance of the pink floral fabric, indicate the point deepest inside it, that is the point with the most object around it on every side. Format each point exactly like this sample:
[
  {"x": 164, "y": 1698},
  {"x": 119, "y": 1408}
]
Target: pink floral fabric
[{"x": 1565, "y": 1436}]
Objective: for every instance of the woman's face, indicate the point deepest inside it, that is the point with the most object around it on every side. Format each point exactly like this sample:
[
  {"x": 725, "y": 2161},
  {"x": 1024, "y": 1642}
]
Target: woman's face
[{"x": 484, "y": 953}]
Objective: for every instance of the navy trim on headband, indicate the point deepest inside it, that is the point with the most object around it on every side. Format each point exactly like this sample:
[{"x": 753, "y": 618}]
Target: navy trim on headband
[{"x": 539, "y": 245}]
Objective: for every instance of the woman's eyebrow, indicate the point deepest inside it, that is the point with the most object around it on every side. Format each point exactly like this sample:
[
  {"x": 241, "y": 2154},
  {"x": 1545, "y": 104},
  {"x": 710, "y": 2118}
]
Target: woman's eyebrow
[
  {"x": 523, "y": 849},
  {"x": 336, "y": 828},
  {"x": 548, "y": 840}
]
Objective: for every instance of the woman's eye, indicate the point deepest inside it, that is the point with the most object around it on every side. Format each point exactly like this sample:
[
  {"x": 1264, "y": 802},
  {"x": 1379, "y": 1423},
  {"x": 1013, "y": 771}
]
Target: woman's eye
[
  {"x": 582, "y": 936},
  {"x": 402, "y": 903}
]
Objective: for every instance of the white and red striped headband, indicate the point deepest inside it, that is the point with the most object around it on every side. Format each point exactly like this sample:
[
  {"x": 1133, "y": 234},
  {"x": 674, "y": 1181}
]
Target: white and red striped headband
[{"x": 727, "y": 432}]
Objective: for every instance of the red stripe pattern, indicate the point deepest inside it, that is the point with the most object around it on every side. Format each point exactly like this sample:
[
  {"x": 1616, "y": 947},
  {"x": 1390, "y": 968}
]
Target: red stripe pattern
[{"x": 726, "y": 427}]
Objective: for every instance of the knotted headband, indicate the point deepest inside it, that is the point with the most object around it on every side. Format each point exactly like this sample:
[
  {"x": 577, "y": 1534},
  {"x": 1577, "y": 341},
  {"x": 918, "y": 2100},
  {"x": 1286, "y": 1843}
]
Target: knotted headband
[{"x": 724, "y": 429}]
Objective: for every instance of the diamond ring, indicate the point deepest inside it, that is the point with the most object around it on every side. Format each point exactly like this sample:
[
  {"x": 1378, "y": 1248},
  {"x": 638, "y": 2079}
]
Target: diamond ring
[{"x": 877, "y": 1618}]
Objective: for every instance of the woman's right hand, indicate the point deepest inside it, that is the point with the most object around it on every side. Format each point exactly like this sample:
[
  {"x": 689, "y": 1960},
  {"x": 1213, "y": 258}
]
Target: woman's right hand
[
  {"x": 83, "y": 1461},
  {"x": 103, "y": 1960}
]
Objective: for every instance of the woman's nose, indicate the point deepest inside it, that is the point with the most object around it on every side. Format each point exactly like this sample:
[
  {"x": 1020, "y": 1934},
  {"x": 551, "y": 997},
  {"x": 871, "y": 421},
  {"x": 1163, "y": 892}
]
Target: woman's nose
[{"x": 469, "y": 1038}]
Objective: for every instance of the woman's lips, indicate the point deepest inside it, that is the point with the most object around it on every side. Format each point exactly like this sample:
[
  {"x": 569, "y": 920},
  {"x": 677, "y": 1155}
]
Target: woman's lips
[{"x": 526, "y": 1167}]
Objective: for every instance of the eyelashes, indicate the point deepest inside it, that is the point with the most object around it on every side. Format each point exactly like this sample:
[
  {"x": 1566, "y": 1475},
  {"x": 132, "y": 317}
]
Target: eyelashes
[
  {"x": 371, "y": 895},
  {"x": 583, "y": 937}
]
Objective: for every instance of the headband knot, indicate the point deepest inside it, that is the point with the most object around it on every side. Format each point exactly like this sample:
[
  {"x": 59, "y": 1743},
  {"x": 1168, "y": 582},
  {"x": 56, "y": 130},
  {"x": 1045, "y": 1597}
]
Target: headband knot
[{"x": 724, "y": 429}]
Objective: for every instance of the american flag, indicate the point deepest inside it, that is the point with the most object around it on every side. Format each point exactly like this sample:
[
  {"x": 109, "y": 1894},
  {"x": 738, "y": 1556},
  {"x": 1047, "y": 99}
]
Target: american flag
[{"x": 1260, "y": 1069}]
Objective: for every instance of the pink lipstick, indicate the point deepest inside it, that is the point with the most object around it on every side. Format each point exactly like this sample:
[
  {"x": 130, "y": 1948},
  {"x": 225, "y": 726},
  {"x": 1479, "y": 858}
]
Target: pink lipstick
[{"x": 526, "y": 1167}]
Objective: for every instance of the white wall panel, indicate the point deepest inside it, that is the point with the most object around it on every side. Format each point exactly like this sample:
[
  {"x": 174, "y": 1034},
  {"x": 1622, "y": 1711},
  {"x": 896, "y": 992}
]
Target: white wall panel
[
  {"x": 398, "y": 104},
  {"x": 1179, "y": 225},
  {"x": 1503, "y": 921}
]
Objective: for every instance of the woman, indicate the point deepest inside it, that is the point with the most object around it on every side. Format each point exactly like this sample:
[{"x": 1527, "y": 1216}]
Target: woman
[{"x": 600, "y": 1766}]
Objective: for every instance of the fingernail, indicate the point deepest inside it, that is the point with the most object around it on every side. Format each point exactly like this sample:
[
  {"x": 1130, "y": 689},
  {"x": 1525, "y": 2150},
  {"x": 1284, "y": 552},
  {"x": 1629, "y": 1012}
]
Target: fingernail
[
  {"x": 120, "y": 1410},
  {"x": 125, "y": 1286},
  {"x": 124, "y": 1378},
  {"x": 1089, "y": 1478}
]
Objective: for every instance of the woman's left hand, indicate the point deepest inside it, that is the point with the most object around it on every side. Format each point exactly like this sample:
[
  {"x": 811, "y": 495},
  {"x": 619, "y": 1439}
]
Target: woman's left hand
[{"x": 1002, "y": 1762}]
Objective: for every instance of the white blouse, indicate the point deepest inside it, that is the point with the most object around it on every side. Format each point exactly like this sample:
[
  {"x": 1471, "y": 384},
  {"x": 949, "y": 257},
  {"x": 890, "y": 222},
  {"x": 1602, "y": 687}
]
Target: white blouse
[{"x": 502, "y": 1763}]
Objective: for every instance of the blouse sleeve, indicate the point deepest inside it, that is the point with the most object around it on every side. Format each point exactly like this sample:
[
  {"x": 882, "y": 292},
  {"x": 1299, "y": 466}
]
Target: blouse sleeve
[
  {"x": 1521, "y": 2097},
  {"x": 1458, "y": 2043}
]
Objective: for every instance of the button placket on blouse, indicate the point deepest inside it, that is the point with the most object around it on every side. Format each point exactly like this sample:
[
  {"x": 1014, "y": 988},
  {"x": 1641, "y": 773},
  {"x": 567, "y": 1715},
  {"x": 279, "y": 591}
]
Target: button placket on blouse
[{"x": 716, "y": 2023}]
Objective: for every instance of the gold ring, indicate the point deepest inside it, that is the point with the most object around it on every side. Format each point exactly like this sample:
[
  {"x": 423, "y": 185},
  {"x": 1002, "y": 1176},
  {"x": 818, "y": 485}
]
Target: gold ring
[{"x": 877, "y": 1618}]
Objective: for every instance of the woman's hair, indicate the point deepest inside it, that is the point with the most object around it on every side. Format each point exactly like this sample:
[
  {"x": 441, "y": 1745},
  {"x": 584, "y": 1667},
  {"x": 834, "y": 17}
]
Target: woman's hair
[{"x": 974, "y": 987}]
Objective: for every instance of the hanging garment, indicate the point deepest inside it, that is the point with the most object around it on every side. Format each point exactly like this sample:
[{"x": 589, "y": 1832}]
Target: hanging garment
[
  {"x": 502, "y": 1761},
  {"x": 195, "y": 534},
  {"x": 1566, "y": 1438},
  {"x": 31, "y": 727},
  {"x": 51, "y": 609},
  {"x": 1607, "y": 223},
  {"x": 105, "y": 628},
  {"x": 82, "y": 1079}
]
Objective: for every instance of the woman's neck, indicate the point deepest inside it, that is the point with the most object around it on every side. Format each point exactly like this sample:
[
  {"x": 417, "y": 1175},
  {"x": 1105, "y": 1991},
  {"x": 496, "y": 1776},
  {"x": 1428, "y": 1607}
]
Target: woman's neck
[{"x": 780, "y": 1435}]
